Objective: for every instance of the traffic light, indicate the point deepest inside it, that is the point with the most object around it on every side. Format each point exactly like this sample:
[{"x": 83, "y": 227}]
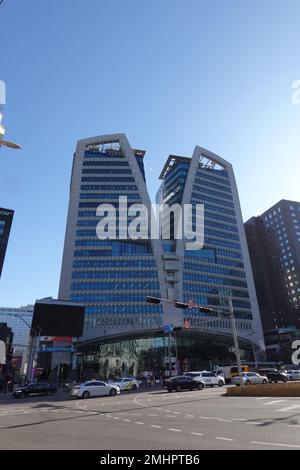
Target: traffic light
[
  {"x": 153, "y": 300},
  {"x": 208, "y": 310},
  {"x": 181, "y": 305}
]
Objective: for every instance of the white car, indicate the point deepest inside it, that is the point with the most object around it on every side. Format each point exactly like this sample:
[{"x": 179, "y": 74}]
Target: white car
[
  {"x": 125, "y": 383},
  {"x": 293, "y": 374},
  {"x": 250, "y": 378},
  {"x": 207, "y": 378},
  {"x": 94, "y": 388}
]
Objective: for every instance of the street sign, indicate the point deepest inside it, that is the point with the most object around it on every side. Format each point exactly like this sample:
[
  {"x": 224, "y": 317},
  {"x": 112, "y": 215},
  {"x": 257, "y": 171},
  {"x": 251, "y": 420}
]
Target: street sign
[
  {"x": 56, "y": 349},
  {"x": 168, "y": 328},
  {"x": 191, "y": 303}
]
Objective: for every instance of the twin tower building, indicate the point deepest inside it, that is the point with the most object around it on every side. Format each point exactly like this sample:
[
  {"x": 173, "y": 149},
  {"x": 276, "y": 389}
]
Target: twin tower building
[{"x": 112, "y": 276}]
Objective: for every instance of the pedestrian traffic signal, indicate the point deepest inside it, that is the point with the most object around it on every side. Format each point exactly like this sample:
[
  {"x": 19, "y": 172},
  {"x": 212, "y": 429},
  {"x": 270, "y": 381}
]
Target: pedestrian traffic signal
[
  {"x": 187, "y": 323},
  {"x": 153, "y": 300}
]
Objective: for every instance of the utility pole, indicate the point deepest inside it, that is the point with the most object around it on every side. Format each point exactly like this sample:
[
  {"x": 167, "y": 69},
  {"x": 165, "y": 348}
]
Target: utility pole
[
  {"x": 30, "y": 346},
  {"x": 235, "y": 340},
  {"x": 169, "y": 354}
]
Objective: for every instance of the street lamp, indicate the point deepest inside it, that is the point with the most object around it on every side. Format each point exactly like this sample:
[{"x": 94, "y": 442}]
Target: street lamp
[{"x": 210, "y": 311}]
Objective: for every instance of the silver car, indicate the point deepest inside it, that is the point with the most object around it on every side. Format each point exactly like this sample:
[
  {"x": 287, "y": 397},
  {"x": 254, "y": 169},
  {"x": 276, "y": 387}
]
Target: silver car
[
  {"x": 250, "y": 378},
  {"x": 94, "y": 388},
  {"x": 207, "y": 378},
  {"x": 293, "y": 374}
]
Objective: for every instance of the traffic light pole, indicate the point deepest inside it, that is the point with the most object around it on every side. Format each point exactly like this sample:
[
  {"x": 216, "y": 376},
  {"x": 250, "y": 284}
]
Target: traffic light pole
[
  {"x": 235, "y": 340},
  {"x": 169, "y": 353},
  {"x": 202, "y": 308}
]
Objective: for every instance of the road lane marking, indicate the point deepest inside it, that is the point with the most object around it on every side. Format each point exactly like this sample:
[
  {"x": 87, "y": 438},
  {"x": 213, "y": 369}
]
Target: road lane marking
[
  {"x": 224, "y": 438},
  {"x": 289, "y": 408},
  {"x": 253, "y": 422},
  {"x": 116, "y": 417},
  {"x": 263, "y": 398},
  {"x": 174, "y": 430},
  {"x": 197, "y": 434},
  {"x": 139, "y": 422},
  {"x": 294, "y": 446},
  {"x": 155, "y": 426},
  {"x": 274, "y": 402},
  {"x": 152, "y": 415},
  {"x": 127, "y": 420}
]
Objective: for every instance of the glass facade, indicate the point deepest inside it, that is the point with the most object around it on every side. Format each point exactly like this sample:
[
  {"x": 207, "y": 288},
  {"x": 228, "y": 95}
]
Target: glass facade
[
  {"x": 273, "y": 240},
  {"x": 216, "y": 271},
  {"x": 132, "y": 356},
  {"x": 111, "y": 277}
]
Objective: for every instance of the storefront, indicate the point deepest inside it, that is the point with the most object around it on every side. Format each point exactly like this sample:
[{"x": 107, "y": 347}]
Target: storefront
[{"x": 151, "y": 352}]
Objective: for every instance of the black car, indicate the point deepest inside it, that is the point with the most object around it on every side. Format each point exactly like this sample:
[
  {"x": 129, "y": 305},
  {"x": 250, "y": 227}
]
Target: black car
[
  {"x": 182, "y": 382},
  {"x": 274, "y": 375},
  {"x": 39, "y": 388}
]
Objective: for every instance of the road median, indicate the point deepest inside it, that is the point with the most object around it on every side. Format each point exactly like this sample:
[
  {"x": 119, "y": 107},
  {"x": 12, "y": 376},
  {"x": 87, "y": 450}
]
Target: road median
[{"x": 267, "y": 390}]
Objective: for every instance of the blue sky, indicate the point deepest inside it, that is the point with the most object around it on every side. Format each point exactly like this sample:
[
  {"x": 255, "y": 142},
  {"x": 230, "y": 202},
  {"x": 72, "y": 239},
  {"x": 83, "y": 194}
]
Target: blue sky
[{"x": 171, "y": 74}]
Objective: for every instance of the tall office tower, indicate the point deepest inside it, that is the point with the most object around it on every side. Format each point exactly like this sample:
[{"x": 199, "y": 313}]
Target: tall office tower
[
  {"x": 111, "y": 277},
  {"x": 6, "y": 217},
  {"x": 19, "y": 320},
  {"x": 222, "y": 267},
  {"x": 274, "y": 246},
  {"x": 123, "y": 333}
]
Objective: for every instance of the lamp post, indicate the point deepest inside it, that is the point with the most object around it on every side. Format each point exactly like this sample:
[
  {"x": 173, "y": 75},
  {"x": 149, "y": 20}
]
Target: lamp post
[
  {"x": 235, "y": 339},
  {"x": 253, "y": 348}
]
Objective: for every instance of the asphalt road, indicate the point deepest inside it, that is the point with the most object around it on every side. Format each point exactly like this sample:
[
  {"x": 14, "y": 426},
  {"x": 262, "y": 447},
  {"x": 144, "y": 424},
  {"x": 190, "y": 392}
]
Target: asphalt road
[{"x": 151, "y": 420}]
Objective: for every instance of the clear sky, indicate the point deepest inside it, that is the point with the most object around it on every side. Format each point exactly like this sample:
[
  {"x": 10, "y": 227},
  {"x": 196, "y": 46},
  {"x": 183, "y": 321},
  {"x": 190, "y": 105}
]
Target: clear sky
[{"x": 171, "y": 74}]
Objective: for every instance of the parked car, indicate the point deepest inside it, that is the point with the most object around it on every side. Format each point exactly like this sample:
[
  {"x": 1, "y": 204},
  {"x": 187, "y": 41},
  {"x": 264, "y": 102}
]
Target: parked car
[
  {"x": 38, "y": 388},
  {"x": 274, "y": 375},
  {"x": 207, "y": 378},
  {"x": 228, "y": 372},
  {"x": 181, "y": 382},
  {"x": 125, "y": 383},
  {"x": 94, "y": 388},
  {"x": 293, "y": 374},
  {"x": 250, "y": 378}
]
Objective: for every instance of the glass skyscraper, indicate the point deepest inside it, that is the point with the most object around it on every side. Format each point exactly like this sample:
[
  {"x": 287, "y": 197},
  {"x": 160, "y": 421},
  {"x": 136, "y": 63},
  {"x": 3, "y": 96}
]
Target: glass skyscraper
[
  {"x": 222, "y": 267},
  {"x": 274, "y": 245},
  {"x": 113, "y": 277}
]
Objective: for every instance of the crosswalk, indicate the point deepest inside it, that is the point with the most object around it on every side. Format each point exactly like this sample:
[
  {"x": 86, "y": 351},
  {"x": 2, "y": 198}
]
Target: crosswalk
[{"x": 284, "y": 405}]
